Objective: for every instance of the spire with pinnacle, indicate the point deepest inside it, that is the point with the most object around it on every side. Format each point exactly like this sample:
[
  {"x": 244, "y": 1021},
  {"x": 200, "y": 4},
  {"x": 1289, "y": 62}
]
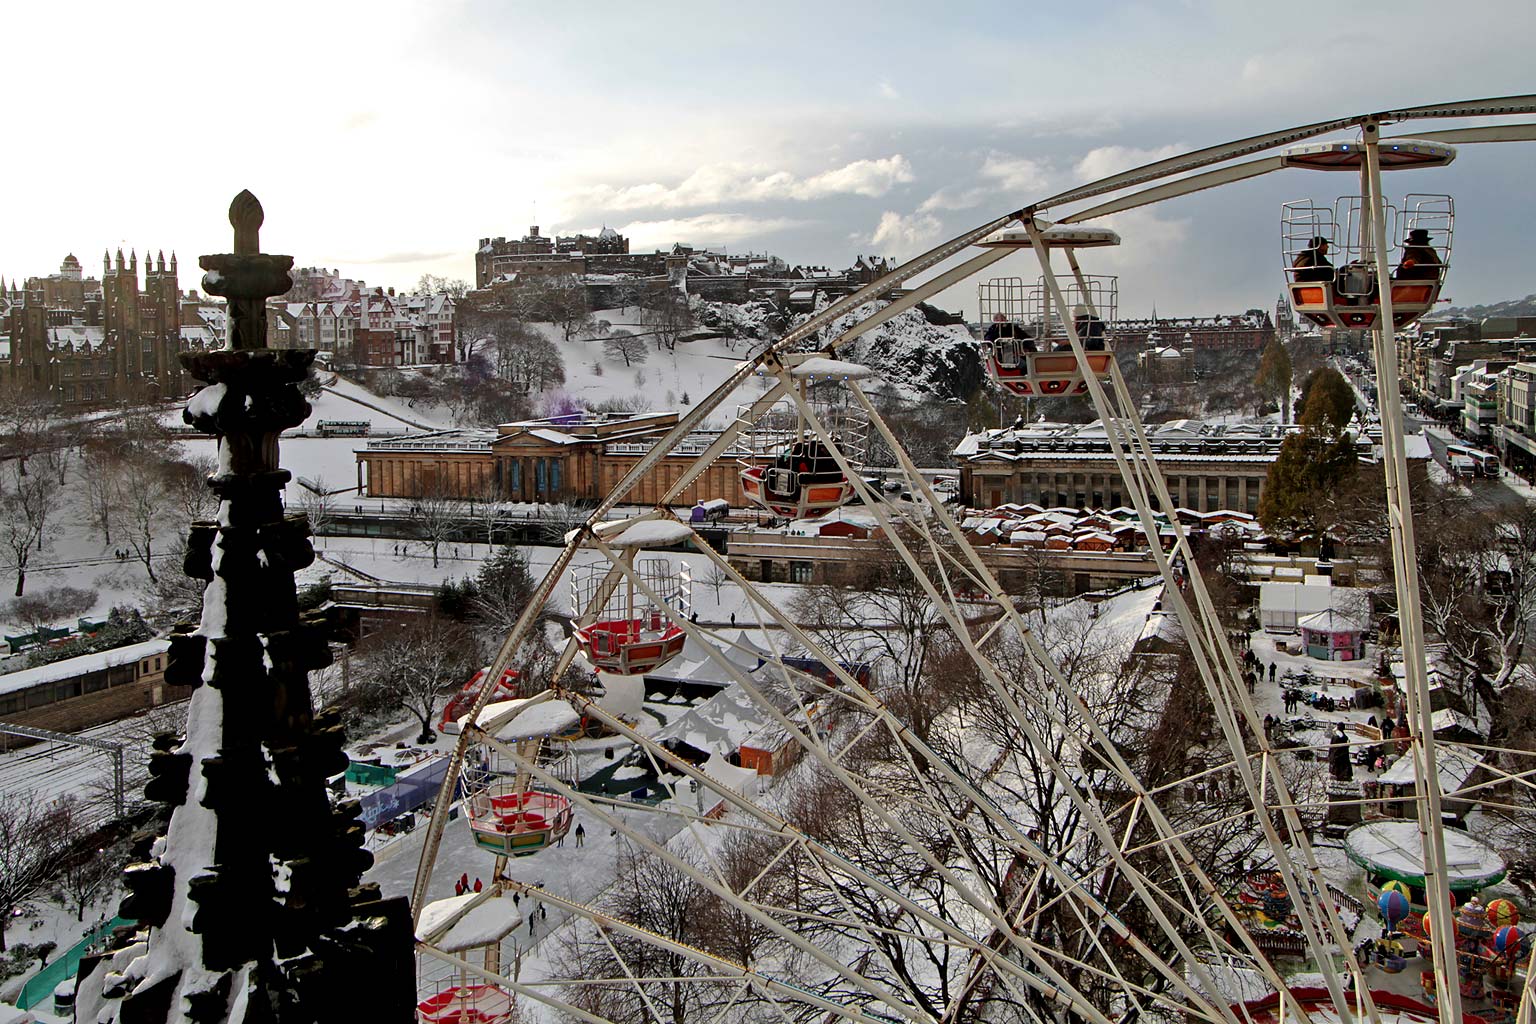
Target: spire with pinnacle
[{"x": 250, "y": 906}]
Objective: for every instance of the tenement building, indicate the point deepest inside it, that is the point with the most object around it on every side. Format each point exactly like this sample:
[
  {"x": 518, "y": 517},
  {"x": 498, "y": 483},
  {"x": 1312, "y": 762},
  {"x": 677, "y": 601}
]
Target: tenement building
[
  {"x": 1208, "y": 466},
  {"x": 561, "y": 459}
]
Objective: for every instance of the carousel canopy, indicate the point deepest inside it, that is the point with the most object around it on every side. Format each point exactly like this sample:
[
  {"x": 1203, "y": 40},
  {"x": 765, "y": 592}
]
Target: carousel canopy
[{"x": 1391, "y": 848}]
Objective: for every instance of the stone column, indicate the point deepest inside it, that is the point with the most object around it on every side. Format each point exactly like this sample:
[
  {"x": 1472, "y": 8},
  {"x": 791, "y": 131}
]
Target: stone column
[{"x": 249, "y": 905}]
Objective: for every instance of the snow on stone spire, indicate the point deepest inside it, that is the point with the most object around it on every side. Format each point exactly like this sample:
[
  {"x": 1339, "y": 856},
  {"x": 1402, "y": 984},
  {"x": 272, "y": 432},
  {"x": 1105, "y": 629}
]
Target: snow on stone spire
[{"x": 250, "y": 905}]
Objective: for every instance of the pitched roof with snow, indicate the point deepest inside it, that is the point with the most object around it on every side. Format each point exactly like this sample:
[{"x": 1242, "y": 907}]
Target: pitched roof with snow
[{"x": 69, "y": 668}]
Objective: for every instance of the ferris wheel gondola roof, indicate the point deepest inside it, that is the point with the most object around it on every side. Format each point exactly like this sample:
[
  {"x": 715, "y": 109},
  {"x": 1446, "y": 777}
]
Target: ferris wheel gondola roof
[
  {"x": 1349, "y": 154},
  {"x": 463, "y": 922},
  {"x": 825, "y": 368},
  {"x": 1061, "y": 236},
  {"x": 648, "y": 533}
]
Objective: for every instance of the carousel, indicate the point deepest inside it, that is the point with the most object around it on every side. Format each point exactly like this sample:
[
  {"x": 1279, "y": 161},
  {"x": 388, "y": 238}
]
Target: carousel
[{"x": 1390, "y": 851}]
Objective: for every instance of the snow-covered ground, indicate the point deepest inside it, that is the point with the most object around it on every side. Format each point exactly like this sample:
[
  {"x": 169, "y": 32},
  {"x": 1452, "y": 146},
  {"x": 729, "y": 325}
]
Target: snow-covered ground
[{"x": 692, "y": 370}]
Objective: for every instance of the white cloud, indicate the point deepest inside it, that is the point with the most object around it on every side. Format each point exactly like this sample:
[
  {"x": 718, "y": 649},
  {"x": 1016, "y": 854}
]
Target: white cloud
[
  {"x": 948, "y": 198},
  {"x": 1016, "y": 173},
  {"x": 727, "y": 182},
  {"x": 1150, "y": 241},
  {"x": 888, "y": 91},
  {"x": 1107, "y": 160},
  {"x": 705, "y": 229},
  {"x": 903, "y": 236}
]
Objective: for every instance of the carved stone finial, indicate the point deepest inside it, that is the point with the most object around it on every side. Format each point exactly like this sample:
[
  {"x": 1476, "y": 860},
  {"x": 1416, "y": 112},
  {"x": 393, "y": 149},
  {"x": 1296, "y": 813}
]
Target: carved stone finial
[
  {"x": 246, "y": 217},
  {"x": 246, "y": 277}
]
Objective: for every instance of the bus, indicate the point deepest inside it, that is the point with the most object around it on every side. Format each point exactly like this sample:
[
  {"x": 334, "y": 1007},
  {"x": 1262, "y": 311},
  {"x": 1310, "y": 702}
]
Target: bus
[
  {"x": 343, "y": 428},
  {"x": 1481, "y": 463}
]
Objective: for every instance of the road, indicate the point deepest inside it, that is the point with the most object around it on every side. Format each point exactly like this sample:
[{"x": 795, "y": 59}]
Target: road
[{"x": 1496, "y": 492}]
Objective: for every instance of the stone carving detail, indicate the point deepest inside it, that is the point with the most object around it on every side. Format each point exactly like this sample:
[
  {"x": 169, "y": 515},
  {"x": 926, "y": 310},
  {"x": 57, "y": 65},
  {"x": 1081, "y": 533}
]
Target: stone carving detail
[{"x": 250, "y": 906}]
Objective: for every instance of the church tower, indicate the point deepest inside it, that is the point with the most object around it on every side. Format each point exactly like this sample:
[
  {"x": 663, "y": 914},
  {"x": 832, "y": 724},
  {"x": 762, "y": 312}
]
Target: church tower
[
  {"x": 29, "y": 339},
  {"x": 120, "y": 318},
  {"x": 160, "y": 322},
  {"x": 1285, "y": 318}
]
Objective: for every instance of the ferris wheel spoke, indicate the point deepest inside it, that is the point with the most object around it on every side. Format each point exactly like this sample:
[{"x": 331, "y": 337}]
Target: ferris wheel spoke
[
  {"x": 1212, "y": 662},
  {"x": 816, "y": 851},
  {"x": 676, "y": 863},
  {"x": 1057, "y": 769},
  {"x": 872, "y": 806}
]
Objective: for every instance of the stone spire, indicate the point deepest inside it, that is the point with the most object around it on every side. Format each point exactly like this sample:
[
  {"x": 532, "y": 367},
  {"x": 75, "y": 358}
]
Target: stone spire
[{"x": 249, "y": 906}]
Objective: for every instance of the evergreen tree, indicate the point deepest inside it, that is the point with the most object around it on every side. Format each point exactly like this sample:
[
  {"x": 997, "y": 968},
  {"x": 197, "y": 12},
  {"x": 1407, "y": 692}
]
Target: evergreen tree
[
  {"x": 1273, "y": 380},
  {"x": 1327, "y": 399},
  {"x": 1298, "y": 492},
  {"x": 502, "y": 589}
]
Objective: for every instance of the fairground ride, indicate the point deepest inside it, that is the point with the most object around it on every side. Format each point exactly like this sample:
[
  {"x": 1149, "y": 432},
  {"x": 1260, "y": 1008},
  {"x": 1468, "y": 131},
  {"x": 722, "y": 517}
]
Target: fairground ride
[{"x": 1128, "y": 917}]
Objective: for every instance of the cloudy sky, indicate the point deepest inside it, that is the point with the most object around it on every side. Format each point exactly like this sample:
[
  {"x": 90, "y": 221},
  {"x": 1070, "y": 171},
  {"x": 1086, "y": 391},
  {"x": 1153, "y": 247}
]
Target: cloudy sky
[{"x": 386, "y": 138}]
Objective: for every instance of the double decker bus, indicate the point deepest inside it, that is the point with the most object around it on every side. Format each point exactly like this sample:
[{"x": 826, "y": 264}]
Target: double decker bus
[{"x": 1480, "y": 463}]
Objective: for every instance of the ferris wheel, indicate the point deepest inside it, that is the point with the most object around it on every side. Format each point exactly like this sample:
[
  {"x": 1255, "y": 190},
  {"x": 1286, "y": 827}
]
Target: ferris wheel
[{"x": 1021, "y": 853}]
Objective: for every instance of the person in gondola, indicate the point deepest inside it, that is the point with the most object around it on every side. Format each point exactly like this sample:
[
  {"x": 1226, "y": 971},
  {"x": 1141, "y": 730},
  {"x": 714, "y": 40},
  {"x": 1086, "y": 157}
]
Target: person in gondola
[
  {"x": 1090, "y": 329},
  {"x": 1420, "y": 261},
  {"x": 1000, "y": 328},
  {"x": 813, "y": 462},
  {"x": 1312, "y": 263},
  {"x": 1020, "y": 336}
]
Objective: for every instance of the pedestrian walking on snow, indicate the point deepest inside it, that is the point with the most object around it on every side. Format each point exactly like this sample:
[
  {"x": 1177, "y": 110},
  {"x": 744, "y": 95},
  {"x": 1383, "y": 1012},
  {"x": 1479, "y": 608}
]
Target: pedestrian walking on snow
[{"x": 581, "y": 834}]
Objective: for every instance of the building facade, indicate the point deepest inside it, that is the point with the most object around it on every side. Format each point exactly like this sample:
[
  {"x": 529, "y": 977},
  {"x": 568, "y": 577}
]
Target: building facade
[
  {"x": 88, "y": 341},
  {"x": 1209, "y": 467},
  {"x": 562, "y": 459},
  {"x": 374, "y": 327},
  {"x": 1251, "y": 330}
]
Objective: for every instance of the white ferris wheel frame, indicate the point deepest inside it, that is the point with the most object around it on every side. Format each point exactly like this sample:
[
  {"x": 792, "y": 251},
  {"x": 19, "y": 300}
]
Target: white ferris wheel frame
[{"x": 947, "y": 564}]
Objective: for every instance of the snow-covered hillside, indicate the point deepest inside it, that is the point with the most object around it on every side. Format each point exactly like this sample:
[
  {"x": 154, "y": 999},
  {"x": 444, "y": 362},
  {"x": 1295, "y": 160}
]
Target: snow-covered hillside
[{"x": 920, "y": 358}]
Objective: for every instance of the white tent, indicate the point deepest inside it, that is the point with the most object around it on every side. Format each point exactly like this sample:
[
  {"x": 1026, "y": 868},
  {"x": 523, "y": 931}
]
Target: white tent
[{"x": 1282, "y": 606}]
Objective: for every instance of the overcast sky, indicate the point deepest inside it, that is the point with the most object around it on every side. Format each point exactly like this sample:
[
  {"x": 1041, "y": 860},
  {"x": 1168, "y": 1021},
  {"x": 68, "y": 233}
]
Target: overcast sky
[{"x": 386, "y": 138}]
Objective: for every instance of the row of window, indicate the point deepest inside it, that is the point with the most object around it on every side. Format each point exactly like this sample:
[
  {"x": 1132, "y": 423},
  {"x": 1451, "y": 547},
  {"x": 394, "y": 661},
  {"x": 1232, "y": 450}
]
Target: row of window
[{"x": 1185, "y": 491}]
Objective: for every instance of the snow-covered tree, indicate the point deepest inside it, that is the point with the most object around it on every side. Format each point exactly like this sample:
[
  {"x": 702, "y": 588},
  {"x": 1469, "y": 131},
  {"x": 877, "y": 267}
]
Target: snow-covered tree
[
  {"x": 415, "y": 665},
  {"x": 1477, "y": 574},
  {"x": 143, "y": 511},
  {"x": 437, "y": 513},
  {"x": 46, "y": 607},
  {"x": 626, "y": 346},
  {"x": 101, "y": 477},
  {"x": 27, "y": 502},
  {"x": 32, "y": 836}
]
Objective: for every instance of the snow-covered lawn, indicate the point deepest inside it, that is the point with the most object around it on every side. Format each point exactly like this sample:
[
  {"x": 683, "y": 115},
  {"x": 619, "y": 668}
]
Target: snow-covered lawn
[{"x": 693, "y": 369}]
